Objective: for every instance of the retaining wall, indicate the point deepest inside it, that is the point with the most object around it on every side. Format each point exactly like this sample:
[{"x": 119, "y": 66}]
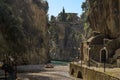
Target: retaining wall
[{"x": 88, "y": 74}]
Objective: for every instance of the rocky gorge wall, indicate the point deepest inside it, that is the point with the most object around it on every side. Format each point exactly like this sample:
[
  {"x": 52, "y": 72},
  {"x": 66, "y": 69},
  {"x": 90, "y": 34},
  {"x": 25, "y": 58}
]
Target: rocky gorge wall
[
  {"x": 23, "y": 31},
  {"x": 104, "y": 17},
  {"x": 65, "y": 41}
]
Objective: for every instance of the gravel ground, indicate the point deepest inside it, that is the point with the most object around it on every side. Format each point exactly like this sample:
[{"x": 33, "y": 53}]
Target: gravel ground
[{"x": 38, "y": 72}]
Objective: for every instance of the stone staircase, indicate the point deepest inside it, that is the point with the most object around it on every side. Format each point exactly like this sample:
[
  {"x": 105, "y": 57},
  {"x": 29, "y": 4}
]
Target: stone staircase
[{"x": 98, "y": 64}]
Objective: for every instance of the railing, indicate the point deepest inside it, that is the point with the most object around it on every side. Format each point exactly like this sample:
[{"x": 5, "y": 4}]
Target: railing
[
  {"x": 87, "y": 71},
  {"x": 95, "y": 63},
  {"x": 98, "y": 64}
]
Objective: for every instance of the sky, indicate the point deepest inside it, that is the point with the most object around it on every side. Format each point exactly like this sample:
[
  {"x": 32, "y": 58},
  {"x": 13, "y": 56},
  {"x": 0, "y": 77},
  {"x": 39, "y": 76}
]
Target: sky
[{"x": 56, "y": 6}]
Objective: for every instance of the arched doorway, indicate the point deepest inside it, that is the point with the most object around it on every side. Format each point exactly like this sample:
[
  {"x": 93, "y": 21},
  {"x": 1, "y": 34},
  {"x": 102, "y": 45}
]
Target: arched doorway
[
  {"x": 103, "y": 55},
  {"x": 72, "y": 72},
  {"x": 79, "y": 75}
]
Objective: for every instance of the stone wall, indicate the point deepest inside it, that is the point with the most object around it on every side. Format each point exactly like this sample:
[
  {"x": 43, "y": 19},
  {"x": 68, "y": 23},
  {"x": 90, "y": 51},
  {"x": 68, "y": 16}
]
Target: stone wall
[
  {"x": 88, "y": 74},
  {"x": 95, "y": 52}
]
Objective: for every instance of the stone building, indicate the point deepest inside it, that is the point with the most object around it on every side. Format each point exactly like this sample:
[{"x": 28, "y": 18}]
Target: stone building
[{"x": 99, "y": 49}]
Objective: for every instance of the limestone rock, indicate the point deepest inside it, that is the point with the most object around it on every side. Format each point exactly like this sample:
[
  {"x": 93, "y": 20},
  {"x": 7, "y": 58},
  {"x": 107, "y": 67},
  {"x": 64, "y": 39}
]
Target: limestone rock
[
  {"x": 104, "y": 17},
  {"x": 31, "y": 23}
]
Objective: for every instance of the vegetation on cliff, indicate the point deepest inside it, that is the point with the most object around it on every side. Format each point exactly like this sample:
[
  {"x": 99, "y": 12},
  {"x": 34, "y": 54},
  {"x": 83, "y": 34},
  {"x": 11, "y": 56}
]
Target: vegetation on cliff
[
  {"x": 87, "y": 31},
  {"x": 65, "y": 36},
  {"x": 23, "y": 30}
]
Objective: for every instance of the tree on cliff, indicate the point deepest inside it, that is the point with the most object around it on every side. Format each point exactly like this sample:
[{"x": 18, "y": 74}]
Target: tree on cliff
[
  {"x": 53, "y": 18},
  {"x": 62, "y": 16},
  {"x": 87, "y": 30}
]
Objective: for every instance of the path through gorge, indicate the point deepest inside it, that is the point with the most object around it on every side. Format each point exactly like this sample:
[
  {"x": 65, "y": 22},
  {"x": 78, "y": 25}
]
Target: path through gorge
[{"x": 38, "y": 72}]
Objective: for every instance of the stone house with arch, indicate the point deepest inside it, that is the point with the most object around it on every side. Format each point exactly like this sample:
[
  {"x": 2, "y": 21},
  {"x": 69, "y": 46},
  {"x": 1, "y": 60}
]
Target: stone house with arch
[{"x": 98, "y": 49}]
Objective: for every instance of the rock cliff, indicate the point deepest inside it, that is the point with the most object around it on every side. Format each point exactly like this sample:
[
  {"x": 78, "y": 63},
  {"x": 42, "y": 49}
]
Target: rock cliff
[
  {"x": 66, "y": 31},
  {"x": 65, "y": 41},
  {"x": 104, "y": 17},
  {"x": 23, "y": 30}
]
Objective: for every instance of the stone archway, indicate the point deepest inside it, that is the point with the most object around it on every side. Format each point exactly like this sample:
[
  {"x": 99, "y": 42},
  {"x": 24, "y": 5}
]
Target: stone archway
[
  {"x": 103, "y": 55},
  {"x": 72, "y": 72},
  {"x": 79, "y": 75}
]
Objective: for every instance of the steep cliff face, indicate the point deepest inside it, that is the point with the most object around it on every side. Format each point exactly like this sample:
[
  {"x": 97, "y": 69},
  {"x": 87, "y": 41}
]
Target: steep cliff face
[
  {"x": 65, "y": 39},
  {"x": 31, "y": 25},
  {"x": 104, "y": 17}
]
